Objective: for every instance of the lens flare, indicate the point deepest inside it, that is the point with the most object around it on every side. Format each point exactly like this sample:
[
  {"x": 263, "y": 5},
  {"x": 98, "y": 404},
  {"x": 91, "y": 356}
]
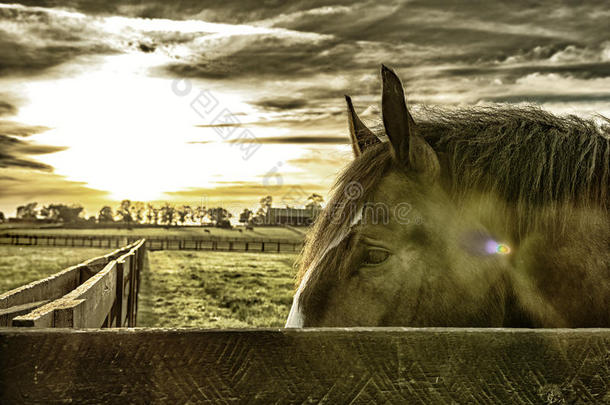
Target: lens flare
[
  {"x": 493, "y": 247},
  {"x": 502, "y": 249}
]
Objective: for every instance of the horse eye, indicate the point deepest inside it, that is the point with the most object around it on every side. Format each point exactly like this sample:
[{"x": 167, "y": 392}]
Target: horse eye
[{"x": 376, "y": 256}]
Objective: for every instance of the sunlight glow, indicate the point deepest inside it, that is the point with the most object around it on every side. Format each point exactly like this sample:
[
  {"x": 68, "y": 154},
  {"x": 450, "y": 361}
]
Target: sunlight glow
[{"x": 129, "y": 134}]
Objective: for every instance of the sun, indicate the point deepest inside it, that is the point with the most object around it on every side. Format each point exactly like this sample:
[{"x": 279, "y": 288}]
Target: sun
[{"x": 131, "y": 135}]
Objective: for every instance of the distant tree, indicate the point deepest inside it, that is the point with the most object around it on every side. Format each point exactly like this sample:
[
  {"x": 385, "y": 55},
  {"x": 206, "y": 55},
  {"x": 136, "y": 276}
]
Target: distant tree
[
  {"x": 261, "y": 213},
  {"x": 138, "y": 209},
  {"x": 105, "y": 215},
  {"x": 62, "y": 213},
  {"x": 168, "y": 214},
  {"x": 184, "y": 213},
  {"x": 2, "y": 217},
  {"x": 259, "y": 218},
  {"x": 266, "y": 202},
  {"x": 47, "y": 212},
  {"x": 314, "y": 201},
  {"x": 156, "y": 215},
  {"x": 220, "y": 217},
  {"x": 27, "y": 212},
  {"x": 246, "y": 216},
  {"x": 70, "y": 214},
  {"x": 124, "y": 212},
  {"x": 199, "y": 213},
  {"x": 91, "y": 219},
  {"x": 152, "y": 214}
]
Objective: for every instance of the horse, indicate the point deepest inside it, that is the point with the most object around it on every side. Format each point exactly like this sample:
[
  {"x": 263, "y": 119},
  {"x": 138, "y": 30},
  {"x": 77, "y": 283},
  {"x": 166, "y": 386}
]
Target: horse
[{"x": 490, "y": 216}]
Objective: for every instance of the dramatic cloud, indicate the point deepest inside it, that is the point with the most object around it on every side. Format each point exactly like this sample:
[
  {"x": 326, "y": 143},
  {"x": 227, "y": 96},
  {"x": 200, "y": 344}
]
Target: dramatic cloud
[
  {"x": 238, "y": 195},
  {"x": 33, "y": 40},
  {"x": 20, "y": 186},
  {"x": 12, "y": 128},
  {"x": 280, "y": 68},
  {"x": 7, "y": 108},
  {"x": 297, "y": 140},
  {"x": 280, "y": 103},
  {"x": 15, "y": 153}
]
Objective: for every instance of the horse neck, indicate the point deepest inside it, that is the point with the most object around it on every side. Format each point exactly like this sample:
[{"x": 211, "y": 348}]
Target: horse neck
[{"x": 515, "y": 222}]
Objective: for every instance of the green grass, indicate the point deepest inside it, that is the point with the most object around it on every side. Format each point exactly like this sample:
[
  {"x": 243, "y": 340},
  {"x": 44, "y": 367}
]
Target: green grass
[
  {"x": 180, "y": 288},
  {"x": 21, "y": 265},
  {"x": 186, "y": 232},
  {"x": 216, "y": 289}
]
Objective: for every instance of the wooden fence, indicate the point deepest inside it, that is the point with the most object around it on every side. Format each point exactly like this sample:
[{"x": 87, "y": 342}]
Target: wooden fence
[
  {"x": 48, "y": 364},
  {"x": 155, "y": 243},
  {"x": 327, "y": 366},
  {"x": 101, "y": 292}
]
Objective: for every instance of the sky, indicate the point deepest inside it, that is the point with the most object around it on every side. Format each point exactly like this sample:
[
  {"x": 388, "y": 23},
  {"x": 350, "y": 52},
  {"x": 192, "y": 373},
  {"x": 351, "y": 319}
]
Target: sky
[{"x": 223, "y": 102}]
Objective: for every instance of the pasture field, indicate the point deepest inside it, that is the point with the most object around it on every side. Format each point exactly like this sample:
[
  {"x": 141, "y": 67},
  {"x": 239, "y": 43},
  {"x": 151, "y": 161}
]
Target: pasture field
[
  {"x": 21, "y": 265},
  {"x": 183, "y": 232},
  {"x": 216, "y": 289},
  {"x": 180, "y": 288}
]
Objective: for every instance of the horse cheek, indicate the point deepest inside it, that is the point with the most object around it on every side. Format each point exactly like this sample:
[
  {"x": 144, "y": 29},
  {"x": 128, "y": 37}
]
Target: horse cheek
[{"x": 362, "y": 300}]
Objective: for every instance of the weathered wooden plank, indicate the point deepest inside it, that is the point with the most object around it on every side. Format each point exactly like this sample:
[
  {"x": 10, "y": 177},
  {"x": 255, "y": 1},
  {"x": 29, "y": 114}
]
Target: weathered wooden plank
[
  {"x": 124, "y": 265},
  {"x": 89, "y": 304},
  {"x": 49, "y": 288},
  {"x": 85, "y": 307},
  {"x": 332, "y": 366},
  {"x": 60, "y": 283},
  {"x": 7, "y": 314}
]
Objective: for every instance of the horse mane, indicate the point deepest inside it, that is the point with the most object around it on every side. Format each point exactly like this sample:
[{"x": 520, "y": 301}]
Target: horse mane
[{"x": 526, "y": 156}]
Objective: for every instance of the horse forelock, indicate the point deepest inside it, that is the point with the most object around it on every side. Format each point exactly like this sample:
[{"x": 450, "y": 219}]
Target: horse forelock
[
  {"x": 525, "y": 156},
  {"x": 324, "y": 241}
]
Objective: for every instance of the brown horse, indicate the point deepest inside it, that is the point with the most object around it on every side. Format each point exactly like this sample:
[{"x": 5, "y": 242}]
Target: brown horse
[{"x": 480, "y": 217}]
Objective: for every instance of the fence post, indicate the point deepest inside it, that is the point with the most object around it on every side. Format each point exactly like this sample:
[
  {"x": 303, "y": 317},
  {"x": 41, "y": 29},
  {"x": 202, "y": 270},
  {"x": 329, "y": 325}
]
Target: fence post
[
  {"x": 133, "y": 295},
  {"x": 120, "y": 286},
  {"x": 137, "y": 266}
]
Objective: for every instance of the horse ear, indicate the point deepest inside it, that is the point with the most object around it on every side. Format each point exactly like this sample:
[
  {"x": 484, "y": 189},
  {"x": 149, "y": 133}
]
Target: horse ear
[
  {"x": 408, "y": 148},
  {"x": 361, "y": 136}
]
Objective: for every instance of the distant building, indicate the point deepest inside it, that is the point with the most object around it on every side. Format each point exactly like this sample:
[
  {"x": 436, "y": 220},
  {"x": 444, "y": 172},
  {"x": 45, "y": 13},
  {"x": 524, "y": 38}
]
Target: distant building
[{"x": 291, "y": 216}]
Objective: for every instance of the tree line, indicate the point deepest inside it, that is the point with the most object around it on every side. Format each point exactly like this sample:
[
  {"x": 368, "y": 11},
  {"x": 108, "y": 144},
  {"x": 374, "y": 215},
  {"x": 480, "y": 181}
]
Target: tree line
[{"x": 132, "y": 213}]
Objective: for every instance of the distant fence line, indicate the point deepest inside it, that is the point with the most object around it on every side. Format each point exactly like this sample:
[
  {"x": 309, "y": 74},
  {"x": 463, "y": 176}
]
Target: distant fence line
[
  {"x": 213, "y": 243},
  {"x": 100, "y": 292}
]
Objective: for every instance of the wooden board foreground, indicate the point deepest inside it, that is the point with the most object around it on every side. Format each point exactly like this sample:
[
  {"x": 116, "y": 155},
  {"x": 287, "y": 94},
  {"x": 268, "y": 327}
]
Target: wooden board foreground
[
  {"x": 288, "y": 366},
  {"x": 24, "y": 299},
  {"x": 86, "y": 304}
]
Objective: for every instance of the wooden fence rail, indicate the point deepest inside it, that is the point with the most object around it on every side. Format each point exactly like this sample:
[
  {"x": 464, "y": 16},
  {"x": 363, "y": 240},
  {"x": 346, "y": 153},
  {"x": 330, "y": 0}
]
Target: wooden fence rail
[
  {"x": 100, "y": 292},
  {"x": 328, "y": 366},
  {"x": 50, "y": 365},
  {"x": 156, "y": 243}
]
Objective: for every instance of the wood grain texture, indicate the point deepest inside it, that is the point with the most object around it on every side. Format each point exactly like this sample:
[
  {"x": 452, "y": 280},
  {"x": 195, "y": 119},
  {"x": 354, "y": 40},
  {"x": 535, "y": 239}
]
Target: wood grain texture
[
  {"x": 60, "y": 283},
  {"x": 88, "y": 304},
  {"x": 7, "y": 314},
  {"x": 284, "y": 366}
]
